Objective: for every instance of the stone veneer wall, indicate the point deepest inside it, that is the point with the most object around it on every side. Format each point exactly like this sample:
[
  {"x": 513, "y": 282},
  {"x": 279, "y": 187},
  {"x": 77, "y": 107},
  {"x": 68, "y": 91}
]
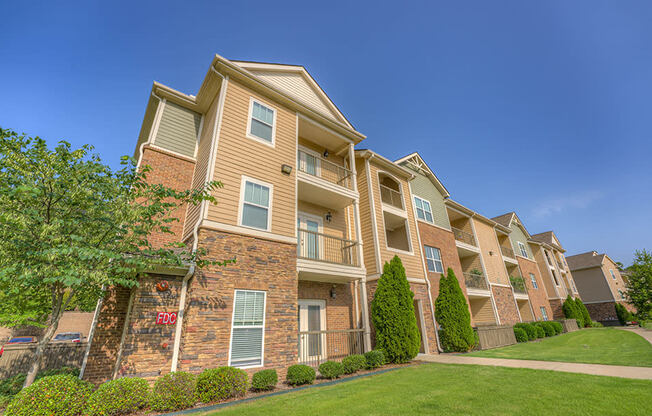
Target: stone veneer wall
[{"x": 505, "y": 304}]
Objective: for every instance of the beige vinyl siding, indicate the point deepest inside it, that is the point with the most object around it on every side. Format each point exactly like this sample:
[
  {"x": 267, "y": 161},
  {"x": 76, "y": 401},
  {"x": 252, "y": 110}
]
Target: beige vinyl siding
[
  {"x": 412, "y": 262},
  {"x": 297, "y": 87},
  {"x": 482, "y": 311},
  {"x": 592, "y": 285},
  {"x": 337, "y": 226},
  {"x": 238, "y": 155},
  {"x": 178, "y": 129},
  {"x": 493, "y": 264},
  {"x": 366, "y": 225},
  {"x": 614, "y": 285},
  {"x": 201, "y": 166},
  {"x": 546, "y": 273},
  {"x": 517, "y": 235},
  {"x": 425, "y": 189}
]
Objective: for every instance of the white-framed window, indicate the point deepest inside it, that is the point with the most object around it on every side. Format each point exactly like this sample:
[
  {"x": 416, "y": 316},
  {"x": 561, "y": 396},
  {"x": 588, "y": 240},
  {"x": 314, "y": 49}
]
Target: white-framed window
[
  {"x": 261, "y": 123},
  {"x": 554, "y": 275},
  {"x": 248, "y": 329},
  {"x": 621, "y": 293},
  {"x": 573, "y": 284},
  {"x": 613, "y": 275},
  {"x": 424, "y": 212},
  {"x": 255, "y": 204},
  {"x": 533, "y": 279},
  {"x": 544, "y": 314},
  {"x": 433, "y": 259},
  {"x": 522, "y": 249}
]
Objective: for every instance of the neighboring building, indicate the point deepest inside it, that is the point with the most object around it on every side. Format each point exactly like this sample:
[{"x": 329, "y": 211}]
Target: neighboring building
[
  {"x": 288, "y": 212},
  {"x": 557, "y": 278},
  {"x": 600, "y": 284}
]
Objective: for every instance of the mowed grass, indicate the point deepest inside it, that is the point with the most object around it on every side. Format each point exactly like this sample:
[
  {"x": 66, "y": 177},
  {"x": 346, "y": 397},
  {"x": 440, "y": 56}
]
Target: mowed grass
[
  {"x": 592, "y": 345},
  {"x": 462, "y": 390}
]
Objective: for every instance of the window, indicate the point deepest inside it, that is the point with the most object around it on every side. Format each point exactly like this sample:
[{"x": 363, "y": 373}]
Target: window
[
  {"x": 573, "y": 284},
  {"x": 547, "y": 257},
  {"x": 522, "y": 249},
  {"x": 534, "y": 281},
  {"x": 247, "y": 333},
  {"x": 554, "y": 275},
  {"x": 544, "y": 314},
  {"x": 256, "y": 198},
  {"x": 613, "y": 275},
  {"x": 622, "y": 295},
  {"x": 433, "y": 259},
  {"x": 423, "y": 209},
  {"x": 261, "y": 122}
]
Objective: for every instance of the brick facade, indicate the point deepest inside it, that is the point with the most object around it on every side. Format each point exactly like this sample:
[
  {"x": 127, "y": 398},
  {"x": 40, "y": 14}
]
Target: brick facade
[
  {"x": 605, "y": 312},
  {"x": 505, "y": 304},
  {"x": 340, "y": 312},
  {"x": 538, "y": 297},
  {"x": 555, "y": 305}
]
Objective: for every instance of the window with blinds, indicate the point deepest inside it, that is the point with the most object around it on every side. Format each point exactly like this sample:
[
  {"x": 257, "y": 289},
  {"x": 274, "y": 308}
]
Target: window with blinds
[
  {"x": 248, "y": 328},
  {"x": 261, "y": 122}
]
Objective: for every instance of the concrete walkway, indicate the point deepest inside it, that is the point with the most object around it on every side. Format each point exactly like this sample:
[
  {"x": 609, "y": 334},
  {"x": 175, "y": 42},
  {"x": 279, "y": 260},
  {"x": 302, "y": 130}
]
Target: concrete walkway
[
  {"x": 645, "y": 333},
  {"x": 644, "y": 373}
]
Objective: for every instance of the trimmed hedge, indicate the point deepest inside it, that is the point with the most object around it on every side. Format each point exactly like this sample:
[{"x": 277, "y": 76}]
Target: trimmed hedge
[
  {"x": 529, "y": 329},
  {"x": 12, "y": 385},
  {"x": 4, "y": 401},
  {"x": 596, "y": 324},
  {"x": 520, "y": 334},
  {"x": 117, "y": 397},
  {"x": 571, "y": 311},
  {"x": 623, "y": 314},
  {"x": 299, "y": 374},
  {"x": 547, "y": 328},
  {"x": 541, "y": 333},
  {"x": 353, "y": 363},
  {"x": 452, "y": 314},
  {"x": 173, "y": 391},
  {"x": 217, "y": 384},
  {"x": 559, "y": 328},
  {"x": 62, "y": 395},
  {"x": 264, "y": 380},
  {"x": 586, "y": 318},
  {"x": 331, "y": 369},
  {"x": 392, "y": 312},
  {"x": 374, "y": 359}
]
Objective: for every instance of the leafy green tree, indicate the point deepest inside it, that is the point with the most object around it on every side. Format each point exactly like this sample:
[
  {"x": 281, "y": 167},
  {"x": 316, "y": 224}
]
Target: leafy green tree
[
  {"x": 586, "y": 317},
  {"x": 452, "y": 314},
  {"x": 392, "y": 312},
  {"x": 639, "y": 285},
  {"x": 70, "y": 225},
  {"x": 569, "y": 307}
]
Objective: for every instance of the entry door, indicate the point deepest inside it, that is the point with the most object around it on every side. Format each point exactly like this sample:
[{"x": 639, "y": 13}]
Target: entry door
[
  {"x": 309, "y": 236},
  {"x": 312, "y": 318}
]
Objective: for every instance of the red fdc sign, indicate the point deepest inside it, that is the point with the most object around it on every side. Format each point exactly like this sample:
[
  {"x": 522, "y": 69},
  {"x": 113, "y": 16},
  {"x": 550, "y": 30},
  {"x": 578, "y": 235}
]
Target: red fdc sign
[{"x": 166, "y": 318}]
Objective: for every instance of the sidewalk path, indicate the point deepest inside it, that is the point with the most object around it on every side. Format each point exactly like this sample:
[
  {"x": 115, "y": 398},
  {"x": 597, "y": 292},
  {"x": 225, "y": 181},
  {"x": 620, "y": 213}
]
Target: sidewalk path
[
  {"x": 594, "y": 369},
  {"x": 645, "y": 333}
]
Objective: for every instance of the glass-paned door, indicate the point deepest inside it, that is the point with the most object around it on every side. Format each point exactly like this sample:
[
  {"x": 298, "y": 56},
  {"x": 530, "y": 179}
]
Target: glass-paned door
[
  {"x": 312, "y": 321},
  {"x": 309, "y": 236},
  {"x": 309, "y": 163}
]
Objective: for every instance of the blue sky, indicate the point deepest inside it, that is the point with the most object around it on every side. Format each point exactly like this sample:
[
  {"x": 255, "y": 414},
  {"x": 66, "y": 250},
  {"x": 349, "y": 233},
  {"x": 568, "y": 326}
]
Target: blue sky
[{"x": 538, "y": 107}]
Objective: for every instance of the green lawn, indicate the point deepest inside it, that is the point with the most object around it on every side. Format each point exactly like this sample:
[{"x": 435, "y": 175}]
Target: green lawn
[
  {"x": 462, "y": 390},
  {"x": 592, "y": 345}
]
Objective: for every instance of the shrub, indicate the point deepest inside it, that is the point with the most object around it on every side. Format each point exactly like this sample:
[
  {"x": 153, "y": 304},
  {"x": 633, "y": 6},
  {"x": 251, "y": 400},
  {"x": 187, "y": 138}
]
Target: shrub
[
  {"x": 547, "y": 328},
  {"x": 541, "y": 333},
  {"x": 4, "y": 401},
  {"x": 299, "y": 374},
  {"x": 392, "y": 311},
  {"x": 331, "y": 369},
  {"x": 586, "y": 318},
  {"x": 117, "y": 397},
  {"x": 529, "y": 329},
  {"x": 623, "y": 314},
  {"x": 452, "y": 314},
  {"x": 559, "y": 328},
  {"x": 353, "y": 363},
  {"x": 569, "y": 307},
  {"x": 264, "y": 380},
  {"x": 12, "y": 385},
  {"x": 520, "y": 334},
  {"x": 595, "y": 324},
  {"x": 374, "y": 359},
  {"x": 62, "y": 395},
  {"x": 173, "y": 391},
  {"x": 216, "y": 384}
]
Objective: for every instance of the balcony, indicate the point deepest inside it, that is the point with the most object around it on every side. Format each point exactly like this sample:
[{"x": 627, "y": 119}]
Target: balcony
[
  {"x": 507, "y": 252},
  {"x": 464, "y": 237},
  {"x": 316, "y": 347},
  {"x": 475, "y": 281},
  {"x": 326, "y": 248},
  {"x": 322, "y": 182},
  {"x": 561, "y": 266},
  {"x": 391, "y": 197},
  {"x": 518, "y": 284}
]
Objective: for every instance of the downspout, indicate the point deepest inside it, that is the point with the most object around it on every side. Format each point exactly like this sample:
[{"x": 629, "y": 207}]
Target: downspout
[{"x": 96, "y": 317}]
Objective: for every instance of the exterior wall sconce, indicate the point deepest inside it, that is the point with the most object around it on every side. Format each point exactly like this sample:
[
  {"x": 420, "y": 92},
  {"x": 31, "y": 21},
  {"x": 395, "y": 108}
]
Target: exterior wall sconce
[
  {"x": 491, "y": 253},
  {"x": 329, "y": 217},
  {"x": 287, "y": 169},
  {"x": 333, "y": 294},
  {"x": 325, "y": 153}
]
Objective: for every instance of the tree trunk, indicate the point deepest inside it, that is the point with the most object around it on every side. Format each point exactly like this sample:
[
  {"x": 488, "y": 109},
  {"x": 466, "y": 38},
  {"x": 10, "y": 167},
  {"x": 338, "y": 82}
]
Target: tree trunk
[{"x": 57, "y": 312}]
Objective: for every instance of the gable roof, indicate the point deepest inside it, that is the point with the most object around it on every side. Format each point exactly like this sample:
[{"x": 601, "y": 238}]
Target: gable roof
[
  {"x": 416, "y": 162},
  {"x": 585, "y": 260},
  {"x": 548, "y": 238},
  {"x": 505, "y": 219},
  {"x": 295, "y": 81}
]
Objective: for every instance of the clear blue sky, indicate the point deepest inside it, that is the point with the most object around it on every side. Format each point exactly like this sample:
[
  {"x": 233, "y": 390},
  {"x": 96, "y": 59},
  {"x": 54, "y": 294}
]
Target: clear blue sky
[{"x": 538, "y": 107}]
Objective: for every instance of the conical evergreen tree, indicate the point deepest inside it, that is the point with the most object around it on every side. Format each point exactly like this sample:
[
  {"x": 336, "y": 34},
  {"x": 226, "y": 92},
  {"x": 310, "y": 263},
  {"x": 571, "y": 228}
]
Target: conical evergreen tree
[
  {"x": 392, "y": 313},
  {"x": 586, "y": 317},
  {"x": 571, "y": 311},
  {"x": 452, "y": 314}
]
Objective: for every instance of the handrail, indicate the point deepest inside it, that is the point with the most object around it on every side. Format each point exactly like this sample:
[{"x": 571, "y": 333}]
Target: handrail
[
  {"x": 391, "y": 196},
  {"x": 332, "y": 331},
  {"x": 507, "y": 252},
  {"x": 325, "y": 169},
  {"x": 518, "y": 283},
  {"x": 475, "y": 281},
  {"x": 318, "y": 246},
  {"x": 463, "y": 236}
]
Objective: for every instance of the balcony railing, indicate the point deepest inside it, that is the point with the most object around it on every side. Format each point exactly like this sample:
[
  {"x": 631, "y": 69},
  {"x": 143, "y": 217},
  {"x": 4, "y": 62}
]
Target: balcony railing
[
  {"x": 391, "y": 197},
  {"x": 475, "y": 281},
  {"x": 561, "y": 265},
  {"x": 327, "y": 248},
  {"x": 507, "y": 252},
  {"x": 518, "y": 284},
  {"x": 316, "y": 347},
  {"x": 325, "y": 169},
  {"x": 463, "y": 236}
]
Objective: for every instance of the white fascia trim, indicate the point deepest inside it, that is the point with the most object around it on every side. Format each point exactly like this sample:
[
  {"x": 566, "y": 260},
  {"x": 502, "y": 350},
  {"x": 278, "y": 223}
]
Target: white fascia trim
[
  {"x": 500, "y": 285},
  {"x": 250, "y": 232},
  {"x": 328, "y": 186},
  {"x": 349, "y": 272},
  {"x": 478, "y": 292},
  {"x": 172, "y": 153}
]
